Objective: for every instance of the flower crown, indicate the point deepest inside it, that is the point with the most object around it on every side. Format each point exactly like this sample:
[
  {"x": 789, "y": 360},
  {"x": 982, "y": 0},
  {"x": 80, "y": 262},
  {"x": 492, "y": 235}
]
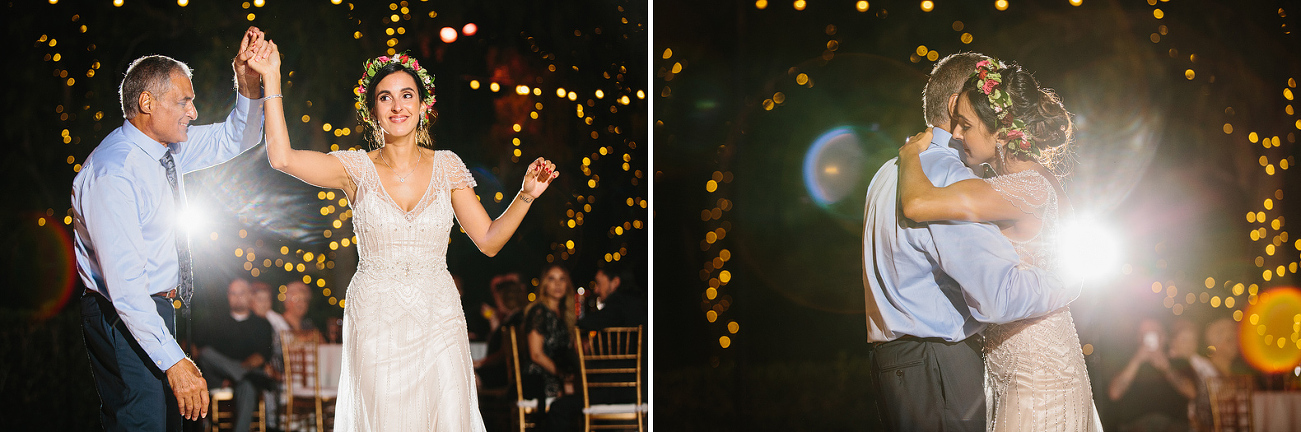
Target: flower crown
[
  {"x": 1011, "y": 129},
  {"x": 373, "y": 66}
]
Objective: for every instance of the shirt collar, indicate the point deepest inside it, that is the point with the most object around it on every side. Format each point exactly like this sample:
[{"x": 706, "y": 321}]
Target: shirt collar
[
  {"x": 149, "y": 145},
  {"x": 941, "y": 138}
]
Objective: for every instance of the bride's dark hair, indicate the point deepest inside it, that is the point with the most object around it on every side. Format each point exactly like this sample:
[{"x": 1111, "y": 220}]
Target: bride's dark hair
[
  {"x": 1039, "y": 108},
  {"x": 376, "y": 133}
]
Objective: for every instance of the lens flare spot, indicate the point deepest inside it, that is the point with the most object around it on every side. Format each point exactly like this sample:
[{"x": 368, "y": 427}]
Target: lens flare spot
[
  {"x": 833, "y": 166},
  {"x": 1273, "y": 312}
]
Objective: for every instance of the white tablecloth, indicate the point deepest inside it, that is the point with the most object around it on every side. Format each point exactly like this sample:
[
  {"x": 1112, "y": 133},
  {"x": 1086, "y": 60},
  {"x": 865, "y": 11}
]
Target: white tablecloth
[
  {"x": 329, "y": 359},
  {"x": 1276, "y": 411},
  {"x": 478, "y": 350}
]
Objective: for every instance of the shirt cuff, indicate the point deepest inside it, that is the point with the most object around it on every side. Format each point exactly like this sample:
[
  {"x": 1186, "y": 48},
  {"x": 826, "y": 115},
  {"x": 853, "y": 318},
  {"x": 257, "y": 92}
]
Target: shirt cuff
[{"x": 165, "y": 354}]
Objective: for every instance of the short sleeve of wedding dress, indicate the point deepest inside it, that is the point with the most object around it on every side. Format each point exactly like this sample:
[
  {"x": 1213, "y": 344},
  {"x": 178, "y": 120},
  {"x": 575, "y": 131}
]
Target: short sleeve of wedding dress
[
  {"x": 1027, "y": 190},
  {"x": 458, "y": 177},
  {"x": 355, "y": 163}
]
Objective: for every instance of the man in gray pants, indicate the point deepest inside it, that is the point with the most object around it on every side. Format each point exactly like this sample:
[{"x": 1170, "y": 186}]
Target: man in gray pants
[{"x": 931, "y": 288}]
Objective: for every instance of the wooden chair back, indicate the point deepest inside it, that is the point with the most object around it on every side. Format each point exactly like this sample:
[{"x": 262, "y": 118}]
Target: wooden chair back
[
  {"x": 611, "y": 358},
  {"x": 303, "y": 393},
  {"x": 525, "y": 412},
  {"x": 1231, "y": 403}
]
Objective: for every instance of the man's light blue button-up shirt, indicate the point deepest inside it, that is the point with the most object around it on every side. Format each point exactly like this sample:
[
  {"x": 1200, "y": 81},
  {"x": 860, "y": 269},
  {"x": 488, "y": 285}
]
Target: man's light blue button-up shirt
[
  {"x": 944, "y": 279},
  {"x": 125, "y": 218}
]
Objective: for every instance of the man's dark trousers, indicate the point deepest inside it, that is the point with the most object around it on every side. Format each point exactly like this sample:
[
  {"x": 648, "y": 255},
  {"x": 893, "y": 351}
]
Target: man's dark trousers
[
  {"x": 929, "y": 384},
  {"x": 134, "y": 393}
]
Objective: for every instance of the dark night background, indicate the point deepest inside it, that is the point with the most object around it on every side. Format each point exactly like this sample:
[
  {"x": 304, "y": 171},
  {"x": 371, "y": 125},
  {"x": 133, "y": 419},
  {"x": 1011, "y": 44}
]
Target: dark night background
[
  {"x": 759, "y": 291},
  {"x": 67, "y": 59}
]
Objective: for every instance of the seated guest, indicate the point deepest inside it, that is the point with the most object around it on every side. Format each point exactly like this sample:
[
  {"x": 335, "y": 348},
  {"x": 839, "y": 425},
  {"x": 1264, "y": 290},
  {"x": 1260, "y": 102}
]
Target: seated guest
[
  {"x": 1150, "y": 392},
  {"x": 276, "y": 365},
  {"x": 546, "y": 329},
  {"x": 236, "y": 347},
  {"x": 1184, "y": 342},
  {"x": 333, "y": 330},
  {"x": 476, "y": 326},
  {"x": 617, "y": 305},
  {"x": 262, "y": 307},
  {"x": 617, "y": 302},
  {"x": 297, "y": 300},
  {"x": 492, "y": 367},
  {"x": 497, "y": 311}
]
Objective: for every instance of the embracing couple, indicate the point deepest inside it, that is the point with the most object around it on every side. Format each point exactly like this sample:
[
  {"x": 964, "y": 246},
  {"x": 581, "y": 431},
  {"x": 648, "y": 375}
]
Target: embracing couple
[
  {"x": 406, "y": 357},
  {"x": 966, "y": 306}
]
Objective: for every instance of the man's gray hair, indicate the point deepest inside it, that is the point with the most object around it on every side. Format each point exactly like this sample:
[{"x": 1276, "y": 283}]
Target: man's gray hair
[
  {"x": 151, "y": 74},
  {"x": 946, "y": 79}
]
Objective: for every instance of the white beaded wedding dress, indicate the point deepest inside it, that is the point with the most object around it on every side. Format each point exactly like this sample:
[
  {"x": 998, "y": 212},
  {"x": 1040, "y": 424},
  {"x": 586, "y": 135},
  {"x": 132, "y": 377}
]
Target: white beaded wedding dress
[
  {"x": 406, "y": 354},
  {"x": 1035, "y": 377}
]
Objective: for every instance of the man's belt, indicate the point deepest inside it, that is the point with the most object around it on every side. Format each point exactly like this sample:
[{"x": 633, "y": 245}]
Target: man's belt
[{"x": 169, "y": 294}]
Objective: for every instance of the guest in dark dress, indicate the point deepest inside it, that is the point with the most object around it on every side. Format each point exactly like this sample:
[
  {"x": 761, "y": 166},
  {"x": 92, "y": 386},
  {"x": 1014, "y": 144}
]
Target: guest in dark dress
[{"x": 547, "y": 323}]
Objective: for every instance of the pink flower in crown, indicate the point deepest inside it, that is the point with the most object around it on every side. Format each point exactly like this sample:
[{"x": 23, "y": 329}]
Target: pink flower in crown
[
  {"x": 383, "y": 58},
  {"x": 982, "y": 64},
  {"x": 1014, "y": 135},
  {"x": 989, "y": 86},
  {"x": 415, "y": 64}
]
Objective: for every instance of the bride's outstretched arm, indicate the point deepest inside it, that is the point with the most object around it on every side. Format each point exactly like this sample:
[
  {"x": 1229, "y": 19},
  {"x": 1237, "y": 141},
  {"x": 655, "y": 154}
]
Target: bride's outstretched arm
[
  {"x": 966, "y": 200},
  {"x": 488, "y": 234},
  {"x": 315, "y": 168}
]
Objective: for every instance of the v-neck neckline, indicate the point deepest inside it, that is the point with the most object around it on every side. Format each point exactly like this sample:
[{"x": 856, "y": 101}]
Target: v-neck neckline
[{"x": 415, "y": 211}]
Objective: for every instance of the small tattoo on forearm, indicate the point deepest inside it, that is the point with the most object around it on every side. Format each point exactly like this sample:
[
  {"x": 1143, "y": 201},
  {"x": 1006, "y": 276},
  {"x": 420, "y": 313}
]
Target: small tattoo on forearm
[{"x": 526, "y": 198}]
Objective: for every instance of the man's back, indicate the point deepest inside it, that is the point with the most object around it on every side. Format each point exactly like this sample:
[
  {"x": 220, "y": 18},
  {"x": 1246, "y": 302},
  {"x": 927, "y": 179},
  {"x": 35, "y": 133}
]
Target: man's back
[{"x": 907, "y": 291}]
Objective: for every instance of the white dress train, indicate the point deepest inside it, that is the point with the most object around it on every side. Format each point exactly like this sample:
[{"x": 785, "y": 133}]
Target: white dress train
[
  {"x": 1035, "y": 377},
  {"x": 406, "y": 354}
]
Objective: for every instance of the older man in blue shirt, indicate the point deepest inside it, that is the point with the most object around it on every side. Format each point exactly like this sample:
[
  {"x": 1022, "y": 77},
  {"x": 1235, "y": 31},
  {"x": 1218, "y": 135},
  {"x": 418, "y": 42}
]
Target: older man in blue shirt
[
  {"x": 931, "y": 287},
  {"x": 128, "y": 202}
]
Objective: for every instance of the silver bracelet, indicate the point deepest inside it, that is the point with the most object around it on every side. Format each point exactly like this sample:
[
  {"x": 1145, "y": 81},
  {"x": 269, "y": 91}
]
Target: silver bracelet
[{"x": 269, "y": 97}]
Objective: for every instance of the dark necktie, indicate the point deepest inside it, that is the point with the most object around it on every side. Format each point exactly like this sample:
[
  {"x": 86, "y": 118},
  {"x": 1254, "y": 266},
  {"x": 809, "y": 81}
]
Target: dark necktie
[{"x": 186, "y": 286}]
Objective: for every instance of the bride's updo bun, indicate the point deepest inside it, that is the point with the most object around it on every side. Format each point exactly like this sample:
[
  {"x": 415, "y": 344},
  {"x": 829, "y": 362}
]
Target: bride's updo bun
[{"x": 1040, "y": 109}]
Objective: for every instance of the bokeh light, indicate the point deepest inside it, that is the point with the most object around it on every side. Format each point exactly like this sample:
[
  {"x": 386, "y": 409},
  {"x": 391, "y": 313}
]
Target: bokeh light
[{"x": 447, "y": 34}]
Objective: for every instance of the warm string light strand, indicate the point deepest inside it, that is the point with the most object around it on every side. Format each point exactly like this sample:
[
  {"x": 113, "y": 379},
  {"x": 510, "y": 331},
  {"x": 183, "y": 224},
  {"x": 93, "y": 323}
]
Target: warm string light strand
[{"x": 611, "y": 142}]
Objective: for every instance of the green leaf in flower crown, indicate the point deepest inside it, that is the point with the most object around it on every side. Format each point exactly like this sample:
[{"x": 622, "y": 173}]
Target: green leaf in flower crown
[{"x": 1017, "y": 123}]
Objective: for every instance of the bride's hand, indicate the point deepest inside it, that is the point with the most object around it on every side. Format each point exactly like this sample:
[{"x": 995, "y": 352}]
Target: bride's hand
[
  {"x": 917, "y": 143},
  {"x": 266, "y": 61},
  {"x": 538, "y": 176}
]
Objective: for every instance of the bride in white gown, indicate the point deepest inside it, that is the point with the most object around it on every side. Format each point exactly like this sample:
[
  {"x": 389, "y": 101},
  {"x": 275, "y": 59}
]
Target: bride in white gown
[
  {"x": 406, "y": 357},
  {"x": 1035, "y": 376}
]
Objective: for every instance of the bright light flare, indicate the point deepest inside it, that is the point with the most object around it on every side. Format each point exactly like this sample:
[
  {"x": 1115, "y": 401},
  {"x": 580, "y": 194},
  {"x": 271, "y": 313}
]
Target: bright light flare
[
  {"x": 1089, "y": 250},
  {"x": 470, "y": 29},
  {"x": 192, "y": 219}
]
